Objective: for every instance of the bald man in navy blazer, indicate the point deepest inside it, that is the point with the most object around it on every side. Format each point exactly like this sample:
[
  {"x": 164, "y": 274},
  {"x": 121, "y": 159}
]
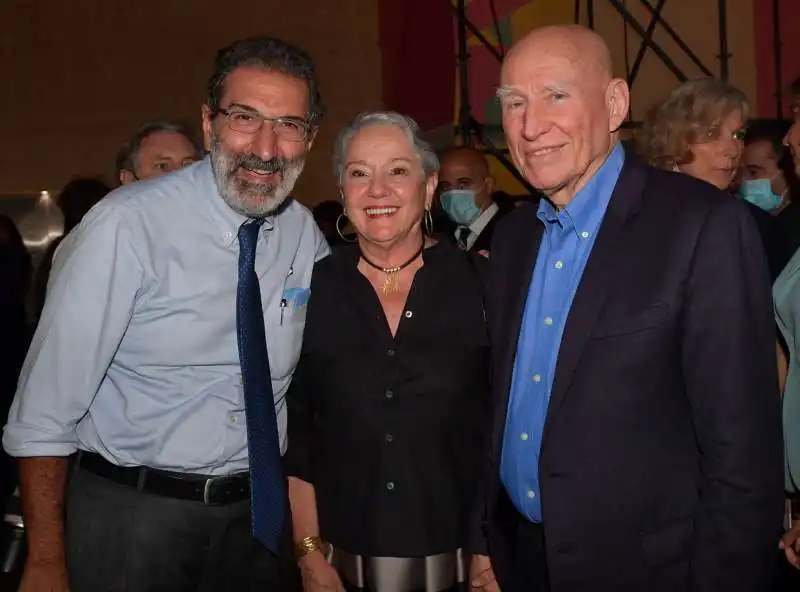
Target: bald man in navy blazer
[{"x": 636, "y": 444}]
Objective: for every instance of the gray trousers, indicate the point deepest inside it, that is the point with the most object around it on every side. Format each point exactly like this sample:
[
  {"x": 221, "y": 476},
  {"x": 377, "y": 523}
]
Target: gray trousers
[{"x": 122, "y": 540}]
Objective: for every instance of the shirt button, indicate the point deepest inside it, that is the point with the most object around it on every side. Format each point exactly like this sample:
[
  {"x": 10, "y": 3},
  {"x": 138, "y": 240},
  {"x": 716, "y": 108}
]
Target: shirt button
[
  {"x": 388, "y": 394},
  {"x": 389, "y": 437},
  {"x": 232, "y": 418},
  {"x": 531, "y": 494},
  {"x": 523, "y": 436},
  {"x": 228, "y": 234},
  {"x": 390, "y": 485},
  {"x": 390, "y": 352},
  {"x": 584, "y": 234},
  {"x": 559, "y": 265},
  {"x": 537, "y": 378},
  {"x": 409, "y": 314},
  {"x": 548, "y": 321}
]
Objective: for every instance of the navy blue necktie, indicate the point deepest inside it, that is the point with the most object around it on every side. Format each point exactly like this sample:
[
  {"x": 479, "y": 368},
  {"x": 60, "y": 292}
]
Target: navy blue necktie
[{"x": 267, "y": 485}]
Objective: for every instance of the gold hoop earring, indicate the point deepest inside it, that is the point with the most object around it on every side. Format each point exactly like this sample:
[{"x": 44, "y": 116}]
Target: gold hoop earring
[
  {"x": 427, "y": 222},
  {"x": 339, "y": 229}
]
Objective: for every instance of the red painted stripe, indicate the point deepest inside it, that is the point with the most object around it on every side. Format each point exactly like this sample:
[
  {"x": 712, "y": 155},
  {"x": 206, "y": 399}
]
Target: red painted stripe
[
  {"x": 417, "y": 40},
  {"x": 765, "y": 52}
]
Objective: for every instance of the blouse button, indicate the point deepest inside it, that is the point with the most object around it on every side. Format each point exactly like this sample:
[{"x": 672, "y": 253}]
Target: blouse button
[
  {"x": 390, "y": 485},
  {"x": 388, "y": 394},
  {"x": 389, "y": 437},
  {"x": 390, "y": 352},
  {"x": 409, "y": 314}
]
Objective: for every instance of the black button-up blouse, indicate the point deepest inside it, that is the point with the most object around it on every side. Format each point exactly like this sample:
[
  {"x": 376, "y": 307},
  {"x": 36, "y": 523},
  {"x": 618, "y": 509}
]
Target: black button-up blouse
[{"x": 390, "y": 430}]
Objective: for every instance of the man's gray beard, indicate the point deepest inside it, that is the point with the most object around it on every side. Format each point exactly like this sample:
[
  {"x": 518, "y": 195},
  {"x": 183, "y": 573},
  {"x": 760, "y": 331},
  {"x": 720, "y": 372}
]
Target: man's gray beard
[{"x": 253, "y": 200}]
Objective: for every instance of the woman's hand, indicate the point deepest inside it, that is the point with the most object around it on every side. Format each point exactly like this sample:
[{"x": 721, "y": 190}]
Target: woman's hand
[
  {"x": 318, "y": 575},
  {"x": 481, "y": 575},
  {"x": 790, "y": 543}
]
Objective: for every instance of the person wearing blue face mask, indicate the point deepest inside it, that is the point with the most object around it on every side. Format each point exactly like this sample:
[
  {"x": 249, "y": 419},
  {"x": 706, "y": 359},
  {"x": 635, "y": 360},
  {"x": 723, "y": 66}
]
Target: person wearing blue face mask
[
  {"x": 769, "y": 180},
  {"x": 768, "y": 183},
  {"x": 759, "y": 192},
  {"x": 764, "y": 182},
  {"x": 465, "y": 196}
]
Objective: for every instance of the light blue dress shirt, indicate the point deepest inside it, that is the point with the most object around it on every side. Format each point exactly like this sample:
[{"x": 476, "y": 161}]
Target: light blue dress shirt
[
  {"x": 135, "y": 356},
  {"x": 567, "y": 242}
]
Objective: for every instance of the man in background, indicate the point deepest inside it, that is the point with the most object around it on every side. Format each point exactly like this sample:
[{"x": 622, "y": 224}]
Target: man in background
[
  {"x": 465, "y": 196},
  {"x": 769, "y": 180},
  {"x": 157, "y": 148}
]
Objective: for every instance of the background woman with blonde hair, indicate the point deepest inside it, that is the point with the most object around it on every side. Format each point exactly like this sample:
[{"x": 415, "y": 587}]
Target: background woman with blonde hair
[{"x": 698, "y": 130}]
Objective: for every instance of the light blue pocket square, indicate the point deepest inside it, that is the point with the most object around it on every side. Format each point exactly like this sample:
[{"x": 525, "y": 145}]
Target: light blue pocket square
[{"x": 296, "y": 297}]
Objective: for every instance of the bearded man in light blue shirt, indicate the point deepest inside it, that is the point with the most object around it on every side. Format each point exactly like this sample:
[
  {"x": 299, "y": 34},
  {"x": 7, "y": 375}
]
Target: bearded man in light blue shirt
[{"x": 173, "y": 322}]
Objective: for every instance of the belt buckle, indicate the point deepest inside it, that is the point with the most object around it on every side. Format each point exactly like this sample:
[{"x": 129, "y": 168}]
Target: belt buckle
[{"x": 207, "y": 489}]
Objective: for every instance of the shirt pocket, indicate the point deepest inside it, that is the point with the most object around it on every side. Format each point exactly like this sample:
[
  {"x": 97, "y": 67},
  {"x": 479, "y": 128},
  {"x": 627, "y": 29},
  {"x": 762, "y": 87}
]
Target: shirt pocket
[
  {"x": 286, "y": 331},
  {"x": 295, "y": 303}
]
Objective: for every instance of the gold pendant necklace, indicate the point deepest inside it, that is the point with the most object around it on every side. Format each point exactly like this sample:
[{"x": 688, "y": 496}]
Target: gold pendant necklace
[{"x": 391, "y": 281}]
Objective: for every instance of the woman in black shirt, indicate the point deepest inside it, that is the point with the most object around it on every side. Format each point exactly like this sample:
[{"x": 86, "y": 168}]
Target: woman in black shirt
[{"x": 388, "y": 404}]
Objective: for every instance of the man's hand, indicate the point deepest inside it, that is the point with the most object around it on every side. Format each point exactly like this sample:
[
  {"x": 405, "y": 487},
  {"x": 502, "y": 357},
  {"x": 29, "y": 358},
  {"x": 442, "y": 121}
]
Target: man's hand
[
  {"x": 44, "y": 578},
  {"x": 318, "y": 575},
  {"x": 789, "y": 544},
  {"x": 481, "y": 575}
]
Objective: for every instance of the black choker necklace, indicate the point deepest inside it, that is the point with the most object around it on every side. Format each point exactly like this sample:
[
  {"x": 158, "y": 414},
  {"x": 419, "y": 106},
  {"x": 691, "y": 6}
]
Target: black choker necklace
[{"x": 390, "y": 282}]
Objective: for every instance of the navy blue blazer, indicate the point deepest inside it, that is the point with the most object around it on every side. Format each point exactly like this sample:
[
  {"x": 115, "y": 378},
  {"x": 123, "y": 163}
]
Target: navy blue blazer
[{"x": 661, "y": 465}]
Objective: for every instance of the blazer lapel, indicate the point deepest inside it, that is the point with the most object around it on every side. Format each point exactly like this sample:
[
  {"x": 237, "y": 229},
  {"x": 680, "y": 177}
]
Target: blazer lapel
[{"x": 593, "y": 287}]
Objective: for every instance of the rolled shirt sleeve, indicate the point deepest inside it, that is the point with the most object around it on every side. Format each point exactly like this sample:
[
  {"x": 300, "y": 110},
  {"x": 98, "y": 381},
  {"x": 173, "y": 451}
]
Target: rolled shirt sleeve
[{"x": 91, "y": 295}]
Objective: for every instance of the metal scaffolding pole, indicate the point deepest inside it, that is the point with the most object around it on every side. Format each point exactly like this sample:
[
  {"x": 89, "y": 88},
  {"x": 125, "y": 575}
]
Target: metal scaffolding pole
[
  {"x": 468, "y": 127},
  {"x": 724, "y": 56},
  {"x": 662, "y": 22},
  {"x": 777, "y": 55},
  {"x": 464, "y": 113}
]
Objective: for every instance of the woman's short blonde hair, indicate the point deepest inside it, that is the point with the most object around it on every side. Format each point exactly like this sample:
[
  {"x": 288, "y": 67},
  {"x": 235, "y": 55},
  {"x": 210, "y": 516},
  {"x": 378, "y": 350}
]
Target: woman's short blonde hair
[{"x": 685, "y": 118}]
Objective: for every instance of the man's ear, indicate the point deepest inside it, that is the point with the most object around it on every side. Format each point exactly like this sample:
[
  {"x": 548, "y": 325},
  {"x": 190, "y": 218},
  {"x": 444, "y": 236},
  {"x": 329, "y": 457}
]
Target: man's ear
[
  {"x": 312, "y": 136},
  {"x": 208, "y": 119},
  {"x": 126, "y": 177},
  {"x": 618, "y": 98},
  {"x": 490, "y": 184}
]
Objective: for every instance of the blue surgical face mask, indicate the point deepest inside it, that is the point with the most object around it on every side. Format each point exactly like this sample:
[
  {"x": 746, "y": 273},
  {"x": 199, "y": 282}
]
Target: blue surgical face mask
[
  {"x": 459, "y": 205},
  {"x": 759, "y": 193}
]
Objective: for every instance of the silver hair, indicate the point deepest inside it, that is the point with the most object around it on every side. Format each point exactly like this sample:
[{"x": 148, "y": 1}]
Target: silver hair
[{"x": 427, "y": 157}]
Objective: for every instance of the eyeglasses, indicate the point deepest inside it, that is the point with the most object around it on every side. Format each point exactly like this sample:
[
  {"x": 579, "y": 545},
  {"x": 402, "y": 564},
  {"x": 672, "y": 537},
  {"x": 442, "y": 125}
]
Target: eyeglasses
[{"x": 292, "y": 129}]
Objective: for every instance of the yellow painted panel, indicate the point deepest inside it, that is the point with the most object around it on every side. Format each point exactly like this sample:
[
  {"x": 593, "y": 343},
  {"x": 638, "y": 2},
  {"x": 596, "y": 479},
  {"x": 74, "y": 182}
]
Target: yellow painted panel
[{"x": 528, "y": 16}]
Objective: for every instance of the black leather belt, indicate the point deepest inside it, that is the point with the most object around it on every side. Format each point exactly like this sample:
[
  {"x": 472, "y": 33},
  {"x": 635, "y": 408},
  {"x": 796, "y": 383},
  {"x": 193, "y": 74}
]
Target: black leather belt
[{"x": 212, "y": 491}]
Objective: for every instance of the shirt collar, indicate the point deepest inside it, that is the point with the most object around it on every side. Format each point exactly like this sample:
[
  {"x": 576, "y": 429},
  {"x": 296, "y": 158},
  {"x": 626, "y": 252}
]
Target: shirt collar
[
  {"x": 224, "y": 217},
  {"x": 483, "y": 220},
  {"x": 585, "y": 212}
]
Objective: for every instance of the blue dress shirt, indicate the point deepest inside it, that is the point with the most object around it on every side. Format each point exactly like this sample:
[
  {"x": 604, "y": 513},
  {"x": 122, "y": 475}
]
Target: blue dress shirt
[
  {"x": 566, "y": 244},
  {"x": 135, "y": 356}
]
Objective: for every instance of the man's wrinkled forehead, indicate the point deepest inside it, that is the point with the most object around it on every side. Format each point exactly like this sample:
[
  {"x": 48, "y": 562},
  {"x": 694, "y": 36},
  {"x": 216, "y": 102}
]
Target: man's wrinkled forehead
[{"x": 542, "y": 71}]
